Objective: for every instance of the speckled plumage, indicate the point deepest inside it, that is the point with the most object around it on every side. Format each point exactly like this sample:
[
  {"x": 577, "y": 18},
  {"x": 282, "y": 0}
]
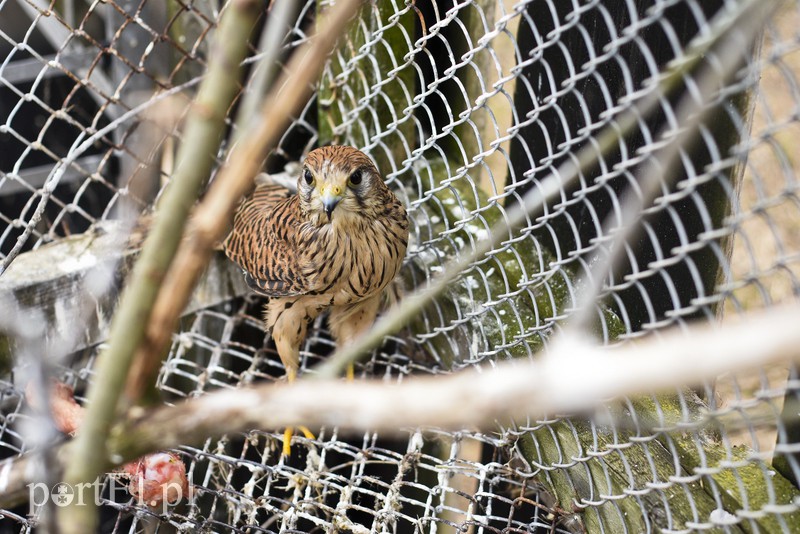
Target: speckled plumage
[{"x": 335, "y": 244}]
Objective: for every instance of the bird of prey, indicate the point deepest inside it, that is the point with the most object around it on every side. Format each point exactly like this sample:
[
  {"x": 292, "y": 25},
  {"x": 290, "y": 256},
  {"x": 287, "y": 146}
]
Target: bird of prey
[{"x": 335, "y": 245}]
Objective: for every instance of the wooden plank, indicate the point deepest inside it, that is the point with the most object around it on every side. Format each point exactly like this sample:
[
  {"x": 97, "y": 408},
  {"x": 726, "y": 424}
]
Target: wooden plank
[{"x": 65, "y": 282}]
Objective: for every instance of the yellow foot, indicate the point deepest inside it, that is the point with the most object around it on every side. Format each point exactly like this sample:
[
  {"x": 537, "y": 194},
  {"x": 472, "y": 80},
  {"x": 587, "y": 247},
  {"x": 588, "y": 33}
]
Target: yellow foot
[
  {"x": 287, "y": 438},
  {"x": 351, "y": 372}
]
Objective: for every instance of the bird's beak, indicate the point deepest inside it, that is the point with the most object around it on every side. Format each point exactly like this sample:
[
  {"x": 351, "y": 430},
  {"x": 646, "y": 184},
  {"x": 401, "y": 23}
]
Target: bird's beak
[{"x": 330, "y": 198}]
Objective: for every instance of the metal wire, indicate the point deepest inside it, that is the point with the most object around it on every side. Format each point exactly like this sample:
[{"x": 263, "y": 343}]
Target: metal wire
[{"x": 466, "y": 107}]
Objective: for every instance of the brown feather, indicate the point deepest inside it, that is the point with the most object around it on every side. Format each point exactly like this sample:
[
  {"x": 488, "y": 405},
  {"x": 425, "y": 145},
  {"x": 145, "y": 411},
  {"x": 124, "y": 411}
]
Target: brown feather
[{"x": 264, "y": 240}]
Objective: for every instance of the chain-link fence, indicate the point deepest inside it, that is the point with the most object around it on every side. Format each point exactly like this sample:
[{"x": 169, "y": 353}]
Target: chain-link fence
[{"x": 468, "y": 109}]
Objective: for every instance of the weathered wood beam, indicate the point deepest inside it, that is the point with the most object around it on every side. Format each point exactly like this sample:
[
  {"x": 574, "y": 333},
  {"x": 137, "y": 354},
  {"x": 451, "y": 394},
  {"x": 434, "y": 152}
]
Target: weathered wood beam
[{"x": 75, "y": 283}]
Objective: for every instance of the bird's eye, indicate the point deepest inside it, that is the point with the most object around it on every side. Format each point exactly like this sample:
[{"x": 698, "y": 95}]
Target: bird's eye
[
  {"x": 355, "y": 178},
  {"x": 308, "y": 177}
]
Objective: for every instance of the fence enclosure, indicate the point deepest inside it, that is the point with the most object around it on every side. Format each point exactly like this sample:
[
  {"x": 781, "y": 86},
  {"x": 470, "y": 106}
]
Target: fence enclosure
[{"x": 466, "y": 108}]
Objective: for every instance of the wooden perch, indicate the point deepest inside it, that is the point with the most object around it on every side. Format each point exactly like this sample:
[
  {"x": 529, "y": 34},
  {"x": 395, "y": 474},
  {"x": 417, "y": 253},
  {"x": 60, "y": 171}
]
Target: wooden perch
[
  {"x": 53, "y": 279},
  {"x": 574, "y": 377},
  {"x": 203, "y": 132}
]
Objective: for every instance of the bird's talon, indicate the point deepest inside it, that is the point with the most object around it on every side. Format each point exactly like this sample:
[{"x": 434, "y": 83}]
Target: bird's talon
[
  {"x": 287, "y": 441},
  {"x": 288, "y": 433}
]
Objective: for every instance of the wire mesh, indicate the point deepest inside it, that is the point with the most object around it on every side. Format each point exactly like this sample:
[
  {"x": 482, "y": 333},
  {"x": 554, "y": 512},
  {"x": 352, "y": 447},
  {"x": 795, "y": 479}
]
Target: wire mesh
[{"x": 465, "y": 106}]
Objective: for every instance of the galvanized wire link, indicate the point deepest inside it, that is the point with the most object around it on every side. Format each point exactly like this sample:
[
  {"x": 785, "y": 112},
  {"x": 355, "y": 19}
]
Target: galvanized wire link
[{"x": 467, "y": 108}]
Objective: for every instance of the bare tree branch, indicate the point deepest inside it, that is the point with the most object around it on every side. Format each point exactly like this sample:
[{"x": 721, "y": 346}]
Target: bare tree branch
[
  {"x": 751, "y": 14},
  {"x": 731, "y": 45},
  {"x": 196, "y": 158},
  {"x": 573, "y": 376},
  {"x": 211, "y": 218}
]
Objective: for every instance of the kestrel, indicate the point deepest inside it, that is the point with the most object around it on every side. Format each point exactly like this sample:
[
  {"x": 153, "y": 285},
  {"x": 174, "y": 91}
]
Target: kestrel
[{"x": 334, "y": 245}]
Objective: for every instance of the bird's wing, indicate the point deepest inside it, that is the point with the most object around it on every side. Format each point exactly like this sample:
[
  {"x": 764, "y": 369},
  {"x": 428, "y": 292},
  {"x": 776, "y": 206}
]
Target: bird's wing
[{"x": 263, "y": 242}]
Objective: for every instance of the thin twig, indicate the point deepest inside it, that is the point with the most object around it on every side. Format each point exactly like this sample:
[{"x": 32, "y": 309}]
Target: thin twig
[
  {"x": 16, "y": 474},
  {"x": 554, "y": 184},
  {"x": 264, "y": 71},
  {"x": 659, "y": 169},
  {"x": 147, "y": 363},
  {"x": 196, "y": 158},
  {"x": 212, "y": 216}
]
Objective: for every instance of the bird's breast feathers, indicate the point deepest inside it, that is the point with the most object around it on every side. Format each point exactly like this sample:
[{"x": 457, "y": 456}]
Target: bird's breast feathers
[
  {"x": 289, "y": 246},
  {"x": 352, "y": 260}
]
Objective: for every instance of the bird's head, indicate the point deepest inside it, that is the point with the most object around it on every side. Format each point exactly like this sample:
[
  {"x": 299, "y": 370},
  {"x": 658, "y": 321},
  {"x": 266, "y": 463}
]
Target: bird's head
[{"x": 339, "y": 181}]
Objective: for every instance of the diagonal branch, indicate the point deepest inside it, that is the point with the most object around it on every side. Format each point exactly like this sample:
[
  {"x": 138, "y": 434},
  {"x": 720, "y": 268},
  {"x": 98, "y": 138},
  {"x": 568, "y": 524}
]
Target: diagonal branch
[
  {"x": 749, "y": 15},
  {"x": 204, "y": 129},
  {"x": 212, "y": 216},
  {"x": 575, "y": 376},
  {"x": 731, "y": 47}
]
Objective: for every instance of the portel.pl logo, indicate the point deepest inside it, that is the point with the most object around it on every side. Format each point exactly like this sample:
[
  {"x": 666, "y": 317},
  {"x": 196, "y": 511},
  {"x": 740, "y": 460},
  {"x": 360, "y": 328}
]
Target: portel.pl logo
[{"x": 62, "y": 494}]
